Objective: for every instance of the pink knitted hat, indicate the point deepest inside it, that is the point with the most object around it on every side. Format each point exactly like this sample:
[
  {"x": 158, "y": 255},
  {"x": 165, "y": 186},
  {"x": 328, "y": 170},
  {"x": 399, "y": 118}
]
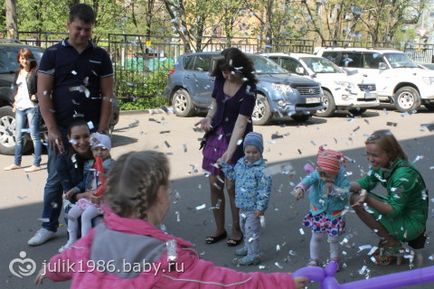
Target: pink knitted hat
[{"x": 329, "y": 160}]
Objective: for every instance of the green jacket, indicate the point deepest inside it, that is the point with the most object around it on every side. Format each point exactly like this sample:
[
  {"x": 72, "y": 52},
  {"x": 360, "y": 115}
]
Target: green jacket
[{"x": 406, "y": 194}]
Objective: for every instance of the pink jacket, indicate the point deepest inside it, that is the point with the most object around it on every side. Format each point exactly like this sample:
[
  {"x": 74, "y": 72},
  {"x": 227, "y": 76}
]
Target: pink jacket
[{"x": 129, "y": 243}]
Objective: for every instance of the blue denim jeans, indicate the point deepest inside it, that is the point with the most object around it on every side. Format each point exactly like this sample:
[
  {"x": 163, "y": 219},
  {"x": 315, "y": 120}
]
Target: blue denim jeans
[
  {"x": 32, "y": 116},
  {"x": 53, "y": 191}
]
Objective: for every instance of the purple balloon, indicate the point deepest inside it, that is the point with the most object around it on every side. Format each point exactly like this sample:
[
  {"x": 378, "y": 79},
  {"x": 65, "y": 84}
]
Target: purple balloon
[{"x": 325, "y": 276}]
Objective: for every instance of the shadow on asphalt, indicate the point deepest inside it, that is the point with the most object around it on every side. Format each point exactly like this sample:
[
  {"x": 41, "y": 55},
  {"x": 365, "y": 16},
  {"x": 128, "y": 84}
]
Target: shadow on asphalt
[{"x": 283, "y": 224}]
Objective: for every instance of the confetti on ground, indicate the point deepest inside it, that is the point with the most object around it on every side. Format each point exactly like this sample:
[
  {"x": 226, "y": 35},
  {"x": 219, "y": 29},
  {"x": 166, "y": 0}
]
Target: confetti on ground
[
  {"x": 167, "y": 144},
  {"x": 278, "y": 265},
  {"x": 164, "y": 131},
  {"x": 44, "y": 220},
  {"x": 356, "y": 129},
  {"x": 389, "y": 123},
  {"x": 153, "y": 119},
  {"x": 200, "y": 207},
  {"x": 301, "y": 231},
  {"x": 134, "y": 124},
  {"x": 299, "y": 151}
]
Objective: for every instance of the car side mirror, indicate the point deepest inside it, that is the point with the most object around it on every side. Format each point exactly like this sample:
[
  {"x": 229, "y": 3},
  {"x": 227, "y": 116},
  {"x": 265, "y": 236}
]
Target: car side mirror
[
  {"x": 382, "y": 66},
  {"x": 299, "y": 70}
]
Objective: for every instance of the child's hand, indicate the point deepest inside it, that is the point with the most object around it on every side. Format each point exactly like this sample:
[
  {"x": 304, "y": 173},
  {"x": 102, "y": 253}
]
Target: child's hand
[
  {"x": 259, "y": 213},
  {"x": 301, "y": 282},
  {"x": 41, "y": 276},
  {"x": 298, "y": 193},
  {"x": 205, "y": 124}
]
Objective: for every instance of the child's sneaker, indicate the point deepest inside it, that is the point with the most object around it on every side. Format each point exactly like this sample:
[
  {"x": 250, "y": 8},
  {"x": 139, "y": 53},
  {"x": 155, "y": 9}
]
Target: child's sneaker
[
  {"x": 241, "y": 252},
  {"x": 313, "y": 262},
  {"x": 66, "y": 246},
  {"x": 248, "y": 260}
]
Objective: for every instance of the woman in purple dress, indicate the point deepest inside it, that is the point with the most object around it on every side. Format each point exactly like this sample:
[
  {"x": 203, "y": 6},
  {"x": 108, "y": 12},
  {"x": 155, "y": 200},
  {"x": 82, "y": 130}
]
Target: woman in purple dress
[{"x": 228, "y": 120}]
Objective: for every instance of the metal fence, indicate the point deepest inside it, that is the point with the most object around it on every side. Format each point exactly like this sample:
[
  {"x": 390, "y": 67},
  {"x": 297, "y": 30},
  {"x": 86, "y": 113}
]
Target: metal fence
[{"x": 140, "y": 63}]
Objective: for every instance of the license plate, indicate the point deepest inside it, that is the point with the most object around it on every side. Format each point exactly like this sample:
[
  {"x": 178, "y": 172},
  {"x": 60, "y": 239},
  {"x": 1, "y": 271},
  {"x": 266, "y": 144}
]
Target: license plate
[
  {"x": 313, "y": 100},
  {"x": 369, "y": 95}
]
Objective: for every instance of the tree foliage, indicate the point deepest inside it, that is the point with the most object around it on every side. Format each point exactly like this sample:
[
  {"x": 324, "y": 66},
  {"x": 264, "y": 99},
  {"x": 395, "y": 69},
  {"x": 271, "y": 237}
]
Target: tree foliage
[{"x": 268, "y": 20}]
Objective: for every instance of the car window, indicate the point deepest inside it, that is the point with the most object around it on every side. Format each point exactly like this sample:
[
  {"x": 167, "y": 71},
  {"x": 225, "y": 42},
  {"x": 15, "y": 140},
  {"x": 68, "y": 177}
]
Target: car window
[
  {"x": 265, "y": 65},
  {"x": 188, "y": 62},
  {"x": 202, "y": 62},
  {"x": 8, "y": 58},
  {"x": 398, "y": 60},
  {"x": 333, "y": 56},
  {"x": 290, "y": 64},
  {"x": 371, "y": 60},
  {"x": 321, "y": 65},
  {"x": 351, "y": 59}
]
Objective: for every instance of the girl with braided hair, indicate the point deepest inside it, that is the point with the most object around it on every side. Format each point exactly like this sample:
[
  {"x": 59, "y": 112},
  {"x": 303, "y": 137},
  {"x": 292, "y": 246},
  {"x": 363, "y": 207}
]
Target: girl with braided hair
[{"x": 129, "y": 249}]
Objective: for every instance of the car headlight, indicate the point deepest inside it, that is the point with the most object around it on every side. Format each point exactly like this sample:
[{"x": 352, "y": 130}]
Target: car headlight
[
  {"x": 282, "y": 88},
  {"x": 428, "y": 80},
  {"x": 346, "y": 84}
]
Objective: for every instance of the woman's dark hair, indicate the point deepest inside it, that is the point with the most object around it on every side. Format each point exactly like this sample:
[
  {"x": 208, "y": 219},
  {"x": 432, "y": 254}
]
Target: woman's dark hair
[
  {"x": 26, "y": 53},
  {"x": 82, "y": 12},
  {"x": 237, "y": 62},
  {"x": 76, "y": 122}
]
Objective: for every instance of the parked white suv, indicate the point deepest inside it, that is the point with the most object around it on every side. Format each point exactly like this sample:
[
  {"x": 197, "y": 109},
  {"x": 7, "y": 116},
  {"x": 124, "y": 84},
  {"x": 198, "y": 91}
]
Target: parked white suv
[
  {"x": 341, "y": 91},
  {"x": 398, "y": 79}
]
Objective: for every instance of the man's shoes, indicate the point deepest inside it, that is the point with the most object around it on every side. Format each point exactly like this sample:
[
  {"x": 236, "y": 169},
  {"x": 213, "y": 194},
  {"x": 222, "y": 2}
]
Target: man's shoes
[
  {"x": 40, "y": 237},
  {"x": 32, "y": 169},
  {"x": 12, "y": 167}
]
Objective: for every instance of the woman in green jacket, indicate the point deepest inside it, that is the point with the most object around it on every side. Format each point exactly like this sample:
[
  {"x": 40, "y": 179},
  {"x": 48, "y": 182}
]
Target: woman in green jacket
[{"x": 399, "y": 216}]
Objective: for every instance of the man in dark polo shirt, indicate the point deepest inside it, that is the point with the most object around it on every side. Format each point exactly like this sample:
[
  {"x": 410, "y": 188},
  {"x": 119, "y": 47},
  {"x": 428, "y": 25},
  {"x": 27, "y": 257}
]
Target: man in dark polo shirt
[{"x": 75, "y": 80}]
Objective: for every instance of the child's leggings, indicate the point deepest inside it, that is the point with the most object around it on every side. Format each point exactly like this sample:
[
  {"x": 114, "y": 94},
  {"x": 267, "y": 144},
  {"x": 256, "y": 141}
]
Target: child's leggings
[
  {"x": 87, "y": 215},
  {"x": 315, "y": 242},
  {"x": 251, "y": 228}
]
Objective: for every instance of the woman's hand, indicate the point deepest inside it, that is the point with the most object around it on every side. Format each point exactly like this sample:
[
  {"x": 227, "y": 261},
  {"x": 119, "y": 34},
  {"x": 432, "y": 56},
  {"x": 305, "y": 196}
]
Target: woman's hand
[
  {"x": 68, "y": 195},
  {"x": 226, "y": 157},
  {"x": 361, "y": 198},
  {"x": 205, "y": 124},
  {"x": 95, "y": 199}
]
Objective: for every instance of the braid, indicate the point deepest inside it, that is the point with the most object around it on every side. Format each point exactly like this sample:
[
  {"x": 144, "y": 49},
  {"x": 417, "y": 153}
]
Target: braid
[{"x": 130, "y": 192}]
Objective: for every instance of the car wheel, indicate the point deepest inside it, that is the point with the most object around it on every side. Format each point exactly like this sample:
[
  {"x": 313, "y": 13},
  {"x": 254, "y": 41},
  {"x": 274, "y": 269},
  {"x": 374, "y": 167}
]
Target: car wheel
[
  {"x": 429, "y": 106},
  {"x": 301, "y": 117},
  {"x": 357, "y": 111},
  {"x": 262, "y": 112},
  {"x": 329, "y": 105},
  {"x": 407, "y": 99},
  {"x": 181, "y": 103},
  {"x": 7, "y": 131}
]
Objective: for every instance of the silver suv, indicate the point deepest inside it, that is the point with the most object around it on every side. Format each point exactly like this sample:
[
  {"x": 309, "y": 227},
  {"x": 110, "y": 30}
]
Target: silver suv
[{"x": 280, "y": 94}]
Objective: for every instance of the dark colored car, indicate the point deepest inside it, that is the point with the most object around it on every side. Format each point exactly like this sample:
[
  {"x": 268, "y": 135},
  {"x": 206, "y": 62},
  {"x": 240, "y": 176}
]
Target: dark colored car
[
  {"x": 280, "y": 94},
  {"x": 8, "y": 66}
]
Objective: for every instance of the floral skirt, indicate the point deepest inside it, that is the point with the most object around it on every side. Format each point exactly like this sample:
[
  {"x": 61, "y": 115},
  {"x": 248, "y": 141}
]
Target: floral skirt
[
  {"x": 83, "y": 203},
  {"x": 322, "y": 224}
]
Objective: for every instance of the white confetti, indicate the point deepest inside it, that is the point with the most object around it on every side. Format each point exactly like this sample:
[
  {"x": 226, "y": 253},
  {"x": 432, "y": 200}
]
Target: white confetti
[
  {"x": 278, "y": 265},
  {"x": 301, "y": 231},
  {"x": 178, "y": 218},
  {"x": 240, "y": 141},
  {"x": 418, "y": 158},
  {"x": 44, "y": 220},
  {"x": 74, "y": 72},
  {"x": 200, "y": 207},
  {"x": 277, "y": 248},
  {"x": 363, "y": 270}
]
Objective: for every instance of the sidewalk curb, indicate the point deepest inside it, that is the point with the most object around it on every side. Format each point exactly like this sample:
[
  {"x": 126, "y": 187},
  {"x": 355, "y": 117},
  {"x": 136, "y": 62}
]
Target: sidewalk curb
[{"x": 147, "y": 111}]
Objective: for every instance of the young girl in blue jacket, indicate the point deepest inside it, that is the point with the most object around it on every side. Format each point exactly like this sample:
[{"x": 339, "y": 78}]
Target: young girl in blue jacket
[{"x": 328, "y": 196}]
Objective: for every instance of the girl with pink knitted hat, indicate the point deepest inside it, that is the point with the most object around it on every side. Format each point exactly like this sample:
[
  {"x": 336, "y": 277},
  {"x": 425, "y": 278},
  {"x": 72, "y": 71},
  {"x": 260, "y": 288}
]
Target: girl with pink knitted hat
[{"x": 328, "y": 188}]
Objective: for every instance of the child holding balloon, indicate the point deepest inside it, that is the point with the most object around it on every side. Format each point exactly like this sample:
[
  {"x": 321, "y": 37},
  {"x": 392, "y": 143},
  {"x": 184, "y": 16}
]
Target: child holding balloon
[{"x": 328, "y": 196}]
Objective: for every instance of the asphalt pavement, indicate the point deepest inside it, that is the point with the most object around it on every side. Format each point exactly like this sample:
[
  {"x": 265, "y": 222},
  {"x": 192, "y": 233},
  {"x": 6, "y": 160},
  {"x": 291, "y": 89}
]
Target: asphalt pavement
[{"x": 285, "y": 242}]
